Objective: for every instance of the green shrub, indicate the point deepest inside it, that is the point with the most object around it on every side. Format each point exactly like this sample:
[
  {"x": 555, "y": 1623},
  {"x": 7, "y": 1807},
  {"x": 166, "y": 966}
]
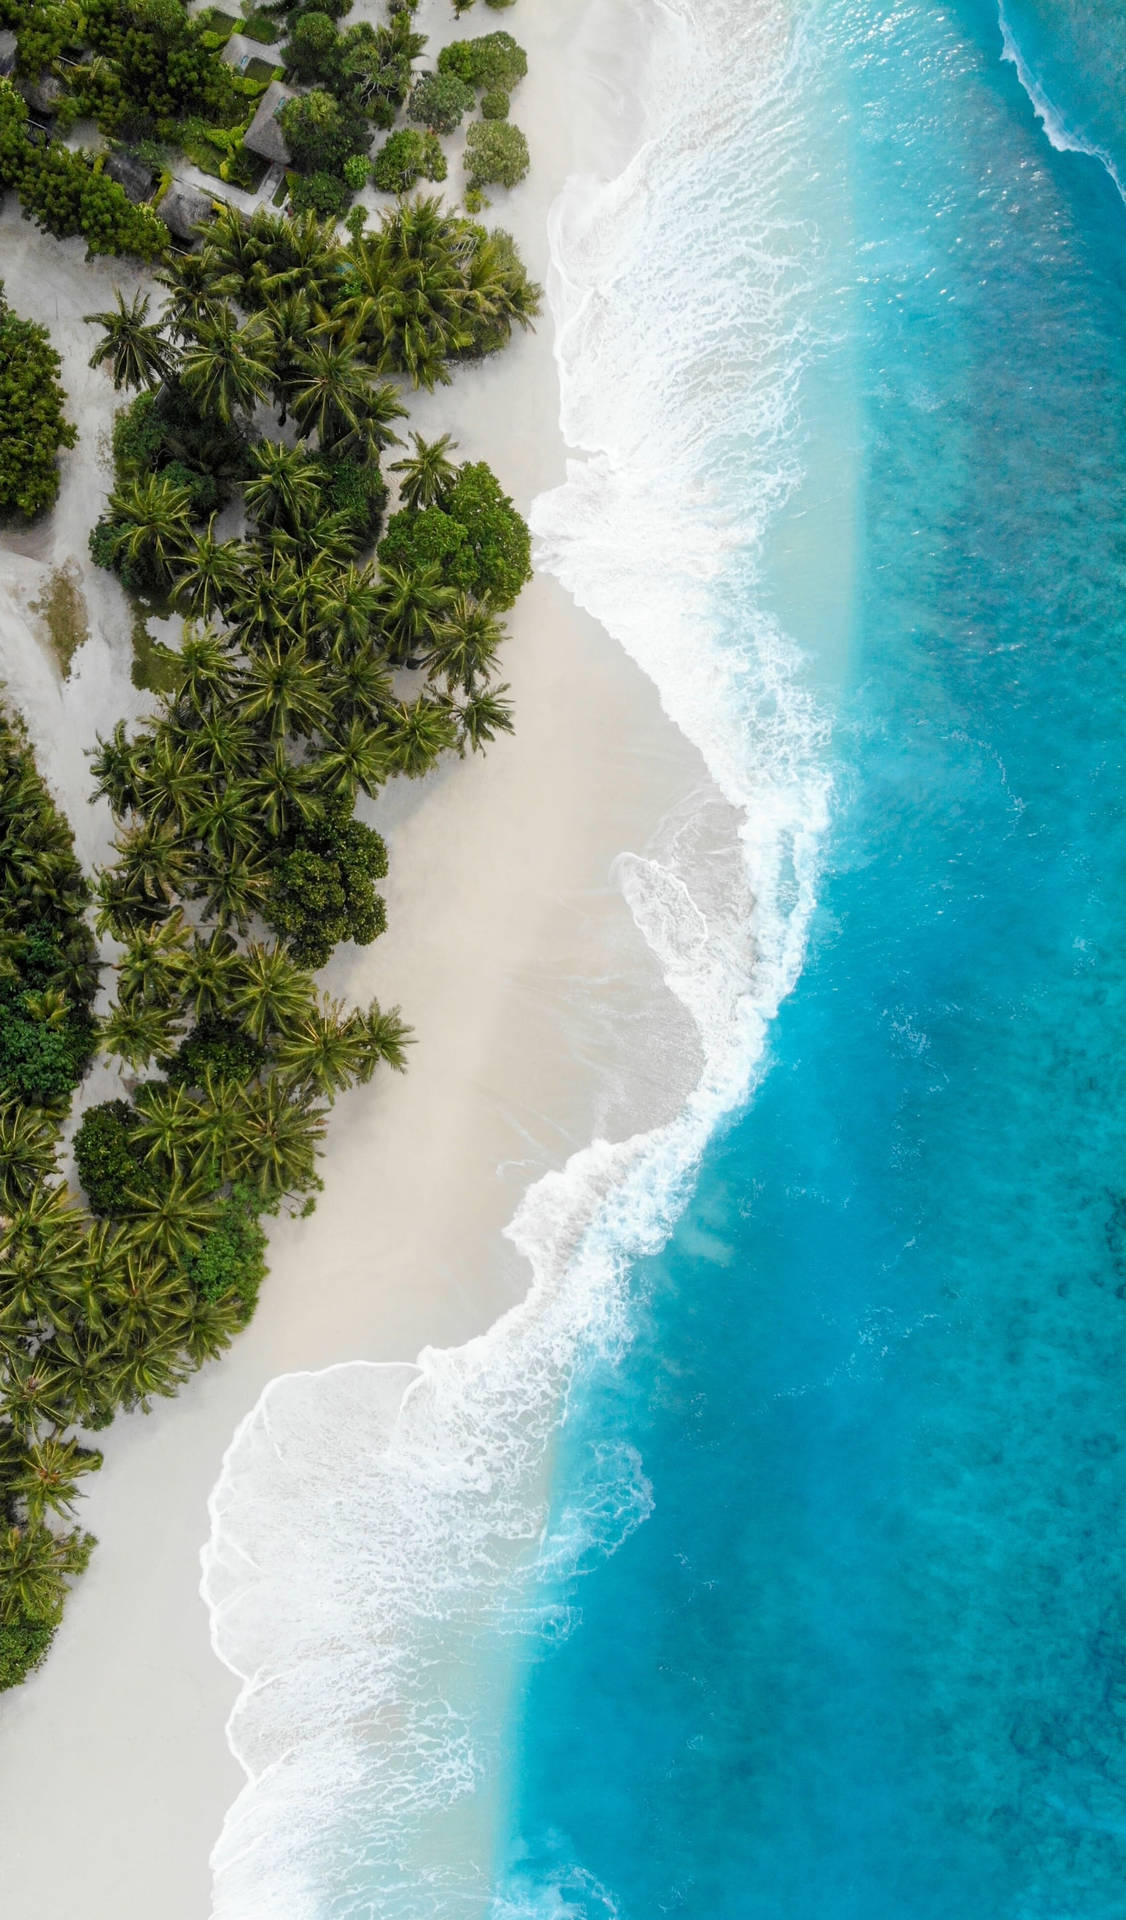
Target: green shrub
[
  {"x": 477, "y": 540},
  {"x": 311, "y": 51},
  {"x": 232, "y": 1256},
  {"x": 358, "y": 491},
  {"x": 202, "y": 489},
  {"x": 107, "y": 1162},
  {"x": 321, "y": 132},
  {"x": 138, "y": 436},
  {"x": 439, "y": 101},
  {"x": 321, "y": 193},
  {"x": 33, "y": 424},
  {"x": 357, "y": 171},
  {"x": 259, "y": 26},
  {"x": 494, "y": 104},
  {"x": 496, "y": 154},
  {"x": 494, "y": 60},
  {"x": 323, "y": 888},
  {"x": 219, "y": 1048},
  {"x": 404, "y": 158},
  {"x": 23, "y": 1647}
]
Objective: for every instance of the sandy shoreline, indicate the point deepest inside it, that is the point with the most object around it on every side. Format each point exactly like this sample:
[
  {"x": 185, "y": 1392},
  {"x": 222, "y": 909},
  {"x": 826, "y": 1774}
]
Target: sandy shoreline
[{"x": 541, "y": 1020}]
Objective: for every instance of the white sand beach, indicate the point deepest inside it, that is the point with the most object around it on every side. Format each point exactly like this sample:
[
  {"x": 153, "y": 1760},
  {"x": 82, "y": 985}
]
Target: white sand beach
[{"x": 540, "y": 1018}]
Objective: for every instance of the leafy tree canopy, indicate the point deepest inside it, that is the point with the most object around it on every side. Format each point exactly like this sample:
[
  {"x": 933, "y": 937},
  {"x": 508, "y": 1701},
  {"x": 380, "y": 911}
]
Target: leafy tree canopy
[{"x": 33, "y": 423}]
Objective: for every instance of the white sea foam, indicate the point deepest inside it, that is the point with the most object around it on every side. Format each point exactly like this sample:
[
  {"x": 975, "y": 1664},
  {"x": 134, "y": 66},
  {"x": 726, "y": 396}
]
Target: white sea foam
[
  {"x": 378, "y": 1533},
  {"x": 1059, "y": 135}
]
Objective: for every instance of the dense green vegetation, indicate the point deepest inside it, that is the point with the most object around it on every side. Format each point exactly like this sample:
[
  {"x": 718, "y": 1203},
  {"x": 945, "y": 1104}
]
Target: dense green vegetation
[
  {"x": 240, "y": 857},
  {"x": 48, "y": 978},
  {"x": 153, "y": 78},
  {"x": 67, "y": 193},
  {"x": 33, "y": 423}
]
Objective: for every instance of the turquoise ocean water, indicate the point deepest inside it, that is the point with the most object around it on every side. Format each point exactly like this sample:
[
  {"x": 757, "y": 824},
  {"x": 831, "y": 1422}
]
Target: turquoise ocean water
[
  {"x": 866, "y": 1657},
  {"x": 822, "y": 1615}
]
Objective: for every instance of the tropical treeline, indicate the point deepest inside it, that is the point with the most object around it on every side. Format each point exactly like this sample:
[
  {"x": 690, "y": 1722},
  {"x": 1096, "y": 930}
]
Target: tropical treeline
[
  {"x": 48, "y": 978},
  {"x": 267, "y": 391}
]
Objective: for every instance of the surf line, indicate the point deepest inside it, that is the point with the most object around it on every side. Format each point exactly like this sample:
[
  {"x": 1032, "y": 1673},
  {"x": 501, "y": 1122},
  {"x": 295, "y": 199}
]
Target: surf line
[{"x": 1047, "y": 114}]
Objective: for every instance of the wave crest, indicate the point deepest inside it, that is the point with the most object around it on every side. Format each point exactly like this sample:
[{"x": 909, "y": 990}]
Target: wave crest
[{"x": 378, "y": 1533}]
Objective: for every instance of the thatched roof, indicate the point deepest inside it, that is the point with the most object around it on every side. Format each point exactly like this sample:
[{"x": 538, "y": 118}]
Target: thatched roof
[
  {"x": 134, "y": 175},
  {"x": 183, "y": 209},
  {"x": 43, "y": 95},
  {"x": 264, "y": 134}
]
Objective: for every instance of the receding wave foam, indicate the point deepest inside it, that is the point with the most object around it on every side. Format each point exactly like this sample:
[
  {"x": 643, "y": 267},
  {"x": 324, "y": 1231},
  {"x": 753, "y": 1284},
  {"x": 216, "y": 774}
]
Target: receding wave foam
[
  {"x": 1058, "y": 134},
  {"x": 378, "y": 1532}
]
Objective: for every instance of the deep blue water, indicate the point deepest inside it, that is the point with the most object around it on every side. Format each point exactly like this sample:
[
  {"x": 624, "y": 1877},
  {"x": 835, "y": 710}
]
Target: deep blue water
[{"x": 866, "y": 1660}]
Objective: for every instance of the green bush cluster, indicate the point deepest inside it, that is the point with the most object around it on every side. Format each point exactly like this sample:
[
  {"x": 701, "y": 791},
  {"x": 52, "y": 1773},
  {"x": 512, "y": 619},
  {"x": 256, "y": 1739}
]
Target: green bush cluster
[
  {"x": 323, "y": 887},
  {"x": 405, "y": 158},
  {"x": 65, "y": 194},
  {"x": 472, "y": 536},
  {"x": 493, "y": 60},
  {"x": 33, "y": 423},
  {"x": 107, "y": 1157},
  {"x": 496, "y": 154}
]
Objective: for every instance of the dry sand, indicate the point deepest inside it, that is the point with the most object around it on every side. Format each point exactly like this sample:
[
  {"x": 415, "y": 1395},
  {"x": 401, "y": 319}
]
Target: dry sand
[{"x": 540, "y": 1021}]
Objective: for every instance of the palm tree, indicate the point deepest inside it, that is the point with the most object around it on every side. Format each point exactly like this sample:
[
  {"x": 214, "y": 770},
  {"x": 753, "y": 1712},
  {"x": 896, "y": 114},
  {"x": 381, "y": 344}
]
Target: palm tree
[
  {"x": 273, "y": 995},
  {"x": 34, "y": 1567},
  {"x": 117, "y": 765},
  {"x": 465, "y": 645},
  {"x": 483, "y": 716},
  {"x": 360, "y": 756},
  {"x": 385, "y": 1038},
  {"x": 206, "y": 573},
  {"x": 151, "y": 520},
  {"x": 419, "y": 732},
  {"x": 412, "y": 608},
  {"x": 172, "y": 787},
  {"x": 344, "y": 614},
  {"x": 27, "y": 1152},
  {"x": 286, "y": 486},
  {"x": 213, "y": 967},
  {"x": 138, "y": 1034},
  {"x": 167, "y": 1124},
  {"x": 283, "y": 691},
  {"x": 283, "y": 792},
  {"x": 47, "y": 1476},
  {"x": 292, "y": 319},
  {"x": 279, "y": 1140},
  {"x": 428, "y": 474},
  {"x": 173, "y": 1217},
  {"x": 323, "y": 1053},
  {"x": 153, "y": 863},
  {"x": 212, "y": 1327},
  {"x": 329, "y": 390},
  {"x": 236, "y": 891},
  {"x": 374, "y": 431},
  {"x": 230, "y": 367},
  {"x": 154, "y": 966},
  {"x": 36, "y": 1393},
  {"x": 227, "y": 824},
  {"x": 135, "y": 349},
  {"x": 155, "y": 1366},
  {"x": 193, "y": 296},
  {"x": 359, "y": 687}
]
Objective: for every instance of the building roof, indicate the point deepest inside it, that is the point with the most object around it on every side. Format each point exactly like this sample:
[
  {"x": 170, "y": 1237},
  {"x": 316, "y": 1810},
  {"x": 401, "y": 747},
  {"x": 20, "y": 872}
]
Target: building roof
[
  {"x": 136, "y": 176},
  {"x": 43, "y": 95},
  {"x": 264, "y": 134},
  {"x": 183, "y": 209}
]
